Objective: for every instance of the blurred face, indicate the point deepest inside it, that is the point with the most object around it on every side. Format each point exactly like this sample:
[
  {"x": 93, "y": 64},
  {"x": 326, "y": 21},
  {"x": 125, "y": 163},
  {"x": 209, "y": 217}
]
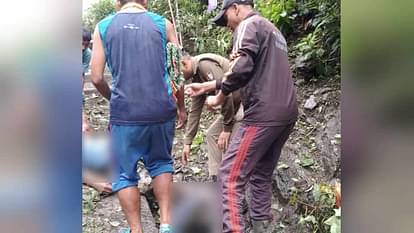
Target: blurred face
[
  {"x": 118, "y": 5},
  {"x": 145, "y": 3},
  {"x": 84, "y": 44},
  {"x": 187, "y": 68},
  {"x": 232, "y": 16}
]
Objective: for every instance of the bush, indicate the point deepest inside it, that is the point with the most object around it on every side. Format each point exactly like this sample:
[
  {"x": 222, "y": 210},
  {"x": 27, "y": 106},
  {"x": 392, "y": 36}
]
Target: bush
[
  {"x": 319, "y": 212},
  {"x": 279, "y": 12},
  {"x": 312, "y": 28},
  {"x": 97, "y": 12},
  {"x": 199, "y": 34}
]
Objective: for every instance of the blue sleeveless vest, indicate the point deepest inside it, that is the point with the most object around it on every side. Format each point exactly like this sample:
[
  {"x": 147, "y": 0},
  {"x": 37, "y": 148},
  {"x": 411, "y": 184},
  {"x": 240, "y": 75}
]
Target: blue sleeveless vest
[{"x": 135, "y": 50}]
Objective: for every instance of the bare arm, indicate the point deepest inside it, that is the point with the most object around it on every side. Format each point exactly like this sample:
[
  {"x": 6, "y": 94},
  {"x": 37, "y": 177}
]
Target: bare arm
[
  {"x": 196, "y": 89},
  {"x": 98, "y": 66},
  {"x": 171, "y": 36},
  {"x": 214, "y": 101}
]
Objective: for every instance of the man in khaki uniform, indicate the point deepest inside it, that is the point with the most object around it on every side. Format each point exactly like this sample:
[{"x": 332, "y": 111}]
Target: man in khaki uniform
[{"x": 204, "y": 68}]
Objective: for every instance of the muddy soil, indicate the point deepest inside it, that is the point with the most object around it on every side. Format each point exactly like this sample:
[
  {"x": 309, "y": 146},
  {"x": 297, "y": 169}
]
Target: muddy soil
[{"x": 311, "y": 155}]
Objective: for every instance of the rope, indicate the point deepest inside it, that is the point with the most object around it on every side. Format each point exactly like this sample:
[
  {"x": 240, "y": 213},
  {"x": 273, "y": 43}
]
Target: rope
[{"x": 178, "y": 23}]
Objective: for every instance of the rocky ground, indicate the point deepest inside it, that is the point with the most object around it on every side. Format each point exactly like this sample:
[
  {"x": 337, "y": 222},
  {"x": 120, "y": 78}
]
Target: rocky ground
[{"x": 310, "y": 158}]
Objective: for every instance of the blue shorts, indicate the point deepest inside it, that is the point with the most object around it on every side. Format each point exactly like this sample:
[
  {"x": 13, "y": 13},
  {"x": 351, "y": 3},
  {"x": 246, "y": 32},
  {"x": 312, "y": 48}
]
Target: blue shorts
[{"x": 151, "y": 143}]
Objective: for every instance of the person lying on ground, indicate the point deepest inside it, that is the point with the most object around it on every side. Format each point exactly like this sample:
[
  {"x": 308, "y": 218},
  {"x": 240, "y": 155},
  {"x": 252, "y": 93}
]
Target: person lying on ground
[
  {"x": 103, "y": 188},
  {"x": 96, "y": 162}
]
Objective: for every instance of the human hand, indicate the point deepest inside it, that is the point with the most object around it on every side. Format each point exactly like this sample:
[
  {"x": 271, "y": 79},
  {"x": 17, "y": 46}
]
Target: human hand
[
  {"x": 223, "y": 140},
  {"x": 182, "y": 118},
  {"x": 186, "y": 154},
  {"x": 194, "y": 89},
  {"x": 214, "y": 101}
]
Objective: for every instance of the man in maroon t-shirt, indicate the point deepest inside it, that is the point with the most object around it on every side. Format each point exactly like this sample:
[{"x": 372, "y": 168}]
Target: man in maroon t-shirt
[{"x": 260, "y": 69}]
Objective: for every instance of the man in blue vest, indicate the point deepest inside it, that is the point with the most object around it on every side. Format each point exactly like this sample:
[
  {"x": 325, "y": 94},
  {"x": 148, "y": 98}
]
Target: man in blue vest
[{"x": 143, "y": 109}]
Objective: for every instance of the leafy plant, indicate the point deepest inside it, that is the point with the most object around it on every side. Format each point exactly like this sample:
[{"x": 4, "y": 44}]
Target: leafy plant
[
  {"x": 97, "y": 12},
  {"x": 89, "y": 201},
  {"x": 198, "y": 33},
  {"x": 306, "y": 161},
  {"x": 319, "y": 212},
  {"x": 279, "y": 12},
  {"x": 312, "y": 28},
  {"x": 334, "y": 222},
  {"x": 310, "y": 55},
  {"x": 198, "y": 141},
  {"x": 317, "y": 53}
]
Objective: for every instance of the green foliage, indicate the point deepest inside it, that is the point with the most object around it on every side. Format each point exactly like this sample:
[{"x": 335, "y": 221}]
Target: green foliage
[
  {"x": 199, "y": 34},
  {"x": 334, "y": 222},
  {"x": 279, "y": 12},
  {"x": 319, "y": 212},
  {"x": 198, "y": 141},
  {"x": 89, "y": 200},
  {"x": 97, "y": 12},
  {"x": 306, "y": 161},
  {"x": 310, "y": 56},
  {"x": 317, "y": 53},
  {"x": 312, "y": 28},
  {"x": 324, "y": 195}
]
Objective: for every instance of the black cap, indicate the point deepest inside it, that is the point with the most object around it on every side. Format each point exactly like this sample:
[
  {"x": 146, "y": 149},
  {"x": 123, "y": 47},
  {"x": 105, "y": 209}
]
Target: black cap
[{"x": 220, "y": 20}]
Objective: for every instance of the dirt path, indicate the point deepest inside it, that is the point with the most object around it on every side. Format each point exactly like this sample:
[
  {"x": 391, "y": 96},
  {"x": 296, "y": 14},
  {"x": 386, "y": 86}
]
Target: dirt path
[
  {"x": 311, "y": 156},
  {"x": 104, "y": 214}
]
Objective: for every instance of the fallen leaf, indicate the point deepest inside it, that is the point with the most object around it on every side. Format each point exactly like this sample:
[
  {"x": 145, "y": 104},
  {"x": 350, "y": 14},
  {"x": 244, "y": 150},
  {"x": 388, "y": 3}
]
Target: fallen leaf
[
  {"x": 115, "y": 223},
  {"x": 309, "y": 189},
  {"x": 196, "y": 170},
  {"x": 283, "y": 166},
  {"x": 306, "y": 161}
]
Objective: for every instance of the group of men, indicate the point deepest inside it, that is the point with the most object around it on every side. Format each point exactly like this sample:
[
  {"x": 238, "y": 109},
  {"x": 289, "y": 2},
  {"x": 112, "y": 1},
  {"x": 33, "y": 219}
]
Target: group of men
[{"x": 254, "y": 88}]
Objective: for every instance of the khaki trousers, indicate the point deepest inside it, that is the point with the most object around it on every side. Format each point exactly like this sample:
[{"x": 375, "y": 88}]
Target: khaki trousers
[{"x": 215, "y": 155}]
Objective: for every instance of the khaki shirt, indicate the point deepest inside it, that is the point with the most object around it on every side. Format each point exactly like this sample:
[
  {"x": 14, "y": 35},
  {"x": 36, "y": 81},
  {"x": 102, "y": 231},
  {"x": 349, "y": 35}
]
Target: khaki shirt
[{"x": 208, "y": 67}]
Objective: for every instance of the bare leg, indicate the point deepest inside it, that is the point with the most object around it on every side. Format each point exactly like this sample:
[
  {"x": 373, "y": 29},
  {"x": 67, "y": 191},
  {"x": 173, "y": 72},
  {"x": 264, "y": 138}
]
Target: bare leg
[
  {"x": 162, "y": 191},
  {"x": 97, "y": 182},
  {"x": 131, "y": 205}
]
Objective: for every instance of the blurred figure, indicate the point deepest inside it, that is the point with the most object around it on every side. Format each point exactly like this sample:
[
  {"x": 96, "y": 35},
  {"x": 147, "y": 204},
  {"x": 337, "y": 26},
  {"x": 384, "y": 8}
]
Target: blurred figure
[
  {"x": 92, "y": 152},
  {"x": 86, "y": 51},
  {"x": 96, "y": 162},
  {"x": 86, "y": 59},
  {"x": 196, "y": 207}
]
